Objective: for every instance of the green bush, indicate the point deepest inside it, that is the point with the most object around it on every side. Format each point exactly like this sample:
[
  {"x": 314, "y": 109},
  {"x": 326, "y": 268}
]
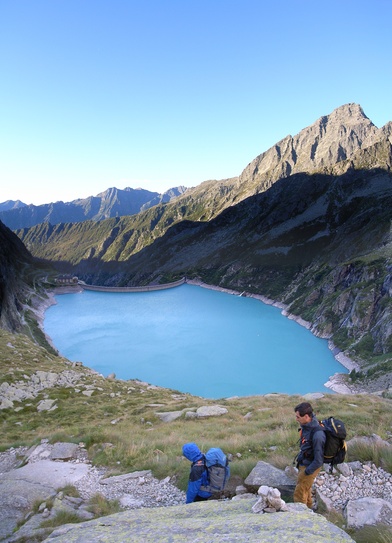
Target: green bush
[
  {"x": 365, "y": 346},
  {"x": 371, "y": 534},
  {"x": 100, "y": 506},
  {"x": 379, "y": 455}
]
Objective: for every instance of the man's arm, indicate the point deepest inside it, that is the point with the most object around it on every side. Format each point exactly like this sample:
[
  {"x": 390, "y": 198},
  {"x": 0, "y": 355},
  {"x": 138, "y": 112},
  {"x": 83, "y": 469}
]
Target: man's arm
[
  {"x": 318, "y": 442},
  {"x": 194, "y": 483}
]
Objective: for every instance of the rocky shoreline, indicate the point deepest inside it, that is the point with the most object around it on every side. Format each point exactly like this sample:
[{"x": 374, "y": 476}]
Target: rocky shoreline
[
  {"x": 41, "y": 304},
  {"x": 337, "y": 382}
]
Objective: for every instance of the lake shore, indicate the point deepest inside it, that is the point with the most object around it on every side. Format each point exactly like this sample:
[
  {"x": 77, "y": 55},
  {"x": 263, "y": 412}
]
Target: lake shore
[
  {"x": 337, "y": 382},
  {"x": 41, "y": 304}
]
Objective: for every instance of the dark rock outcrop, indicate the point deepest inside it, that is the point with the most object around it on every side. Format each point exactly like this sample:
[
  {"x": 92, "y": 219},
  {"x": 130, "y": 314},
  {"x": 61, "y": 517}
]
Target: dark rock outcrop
[
  {"x": 15, "y": 263},
  {"x": 266, "y": 474}
]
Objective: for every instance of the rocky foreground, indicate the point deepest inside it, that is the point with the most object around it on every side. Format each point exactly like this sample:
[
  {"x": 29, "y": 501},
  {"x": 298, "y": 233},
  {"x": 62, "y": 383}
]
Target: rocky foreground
[
  {"x": 361, "y": 492},
  {"x": 150, "y": 514}
]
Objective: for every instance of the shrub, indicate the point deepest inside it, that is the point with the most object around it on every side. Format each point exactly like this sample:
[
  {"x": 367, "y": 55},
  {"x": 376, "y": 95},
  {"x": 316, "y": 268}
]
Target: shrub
[
  {"x": 100, "y": 506},
  {"x": 375, "y": 534},
  {"x": 379, "y": 455},
  {"x": 365, "y": 346},
  {"x": 70, "y": 490}
]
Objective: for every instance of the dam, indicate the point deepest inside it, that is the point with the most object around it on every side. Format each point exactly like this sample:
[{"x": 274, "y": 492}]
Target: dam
[{"x": 147, "y": 288}]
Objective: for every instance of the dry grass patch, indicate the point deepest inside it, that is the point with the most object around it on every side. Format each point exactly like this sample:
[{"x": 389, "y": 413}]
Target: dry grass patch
[{"x": 101, "y": 507}]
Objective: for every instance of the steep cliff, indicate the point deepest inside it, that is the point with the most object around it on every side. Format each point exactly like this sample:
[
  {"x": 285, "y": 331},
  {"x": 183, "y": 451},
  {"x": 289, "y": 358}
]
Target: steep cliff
[
  {"x": 15, "y": 261},
  {"x": 331, "y": 139}
]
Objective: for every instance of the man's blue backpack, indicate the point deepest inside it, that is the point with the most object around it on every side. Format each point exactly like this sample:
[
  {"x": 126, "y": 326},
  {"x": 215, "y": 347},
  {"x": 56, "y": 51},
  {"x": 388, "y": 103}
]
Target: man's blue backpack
[{"x": 218, "y": 470}]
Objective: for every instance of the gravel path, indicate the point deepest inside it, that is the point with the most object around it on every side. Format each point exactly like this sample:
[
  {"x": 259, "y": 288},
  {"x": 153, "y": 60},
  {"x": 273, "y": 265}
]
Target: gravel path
[
  {"x": 142, "y": 490},
  {"x": 134, "y": 490}
]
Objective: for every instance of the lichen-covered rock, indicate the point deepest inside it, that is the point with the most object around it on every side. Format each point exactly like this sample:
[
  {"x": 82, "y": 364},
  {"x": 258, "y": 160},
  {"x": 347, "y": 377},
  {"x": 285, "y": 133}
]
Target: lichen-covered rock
[
  {"x": 218, "y": 521},
  {"x": 47, "y": 405},
  {"x": 169, "y": 416}
]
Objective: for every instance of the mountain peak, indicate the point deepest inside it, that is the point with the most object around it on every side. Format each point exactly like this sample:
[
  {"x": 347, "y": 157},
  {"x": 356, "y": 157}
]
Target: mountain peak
[
  {"x": 351, "y": 116},
  {"x": 349, "y": 111},
  {"x": 11, "y": 204},
  {"x": 331, "y": 139}
]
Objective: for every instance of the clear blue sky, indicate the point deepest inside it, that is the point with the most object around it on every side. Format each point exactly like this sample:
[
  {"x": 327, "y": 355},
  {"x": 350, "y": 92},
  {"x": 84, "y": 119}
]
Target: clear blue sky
[{"x": 160, "y": 93}]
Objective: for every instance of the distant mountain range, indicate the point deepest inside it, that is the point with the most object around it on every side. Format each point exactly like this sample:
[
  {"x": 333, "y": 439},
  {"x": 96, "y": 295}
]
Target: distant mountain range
[
  {"x": 112, "y": 202},
  {"x": 334, "y": 145},
  {"x": 308, "y": 223},
  {"x": 11, "y": 204}
]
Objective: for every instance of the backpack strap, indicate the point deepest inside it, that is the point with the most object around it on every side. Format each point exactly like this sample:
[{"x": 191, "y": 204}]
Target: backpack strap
[{"x": 198, "y": 470}]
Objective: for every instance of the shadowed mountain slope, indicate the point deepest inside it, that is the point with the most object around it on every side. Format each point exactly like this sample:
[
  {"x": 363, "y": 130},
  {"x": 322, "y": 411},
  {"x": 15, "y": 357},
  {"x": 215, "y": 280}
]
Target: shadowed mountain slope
[
  {"x": 15, "y": 265},
  {"x": 332, "y": 140}
]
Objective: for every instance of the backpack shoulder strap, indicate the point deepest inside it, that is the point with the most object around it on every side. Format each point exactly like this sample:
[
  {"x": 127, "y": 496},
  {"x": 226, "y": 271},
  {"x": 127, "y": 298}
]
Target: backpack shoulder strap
[{"x": 319, "y": 428}]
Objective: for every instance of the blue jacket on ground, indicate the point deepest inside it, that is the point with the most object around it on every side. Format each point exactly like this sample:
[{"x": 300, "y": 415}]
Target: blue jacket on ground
[
  {"x": 312, "y": 443},
  {"x": 198, "y": 475}
]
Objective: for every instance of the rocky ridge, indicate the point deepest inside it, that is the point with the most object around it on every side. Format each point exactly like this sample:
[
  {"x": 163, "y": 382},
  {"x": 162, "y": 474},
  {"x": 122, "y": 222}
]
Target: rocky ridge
[{"x": 332, "y": 140}]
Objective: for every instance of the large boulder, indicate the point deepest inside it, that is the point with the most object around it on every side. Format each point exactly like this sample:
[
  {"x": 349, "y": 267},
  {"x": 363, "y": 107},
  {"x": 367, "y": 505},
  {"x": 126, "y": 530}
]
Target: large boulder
[
  {"x": 64, "y": 451},
  {"x": 211, "y": 411},
  {"x": 217, "y": 520},
  {"x": 268, "y": 475},
  {"x": 368, "y": 511},
  {"x": 17, "y": 498},
  {"x": 37, "y": 481}
]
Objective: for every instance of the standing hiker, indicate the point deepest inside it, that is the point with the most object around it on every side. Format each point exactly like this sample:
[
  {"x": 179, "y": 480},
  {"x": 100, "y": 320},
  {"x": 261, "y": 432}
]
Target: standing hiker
[
  {"x": 311, "y": 455},
  {"x": 198, "y": 476}
]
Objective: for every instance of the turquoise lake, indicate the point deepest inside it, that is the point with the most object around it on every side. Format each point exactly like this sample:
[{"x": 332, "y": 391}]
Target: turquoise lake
[{"x": 191, "y": 339}]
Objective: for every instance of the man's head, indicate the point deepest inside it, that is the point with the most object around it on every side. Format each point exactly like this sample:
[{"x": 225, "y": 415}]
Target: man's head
[{"x": 303, "y": 412}]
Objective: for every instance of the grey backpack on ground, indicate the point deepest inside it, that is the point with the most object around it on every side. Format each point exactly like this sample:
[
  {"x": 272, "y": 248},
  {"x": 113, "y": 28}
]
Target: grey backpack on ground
[{"x": 218, "y": 470}]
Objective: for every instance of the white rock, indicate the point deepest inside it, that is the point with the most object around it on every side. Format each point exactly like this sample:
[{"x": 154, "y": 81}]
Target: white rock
[
  {"x": 211, "y": 411},
  {"x": 46, "y": 405}
]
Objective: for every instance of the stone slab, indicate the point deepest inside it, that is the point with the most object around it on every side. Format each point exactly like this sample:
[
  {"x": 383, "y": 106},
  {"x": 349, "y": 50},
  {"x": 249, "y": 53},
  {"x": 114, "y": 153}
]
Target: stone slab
[
  {"x": 47, "y": 472},
  {"x": 218, "y": 521}
]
